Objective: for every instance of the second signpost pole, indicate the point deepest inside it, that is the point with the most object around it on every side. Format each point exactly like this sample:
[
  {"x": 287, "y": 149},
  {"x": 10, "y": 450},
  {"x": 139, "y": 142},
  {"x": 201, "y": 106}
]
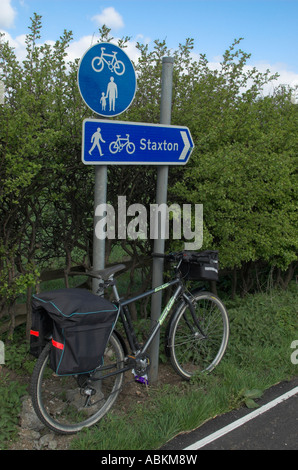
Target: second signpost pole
[
  {"x": 161, "y": 198},
  {"x": 100, "y": 197}
]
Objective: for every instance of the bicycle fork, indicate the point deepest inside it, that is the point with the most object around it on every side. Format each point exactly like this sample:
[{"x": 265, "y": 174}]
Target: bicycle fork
[{"x": 194, "y": 317}]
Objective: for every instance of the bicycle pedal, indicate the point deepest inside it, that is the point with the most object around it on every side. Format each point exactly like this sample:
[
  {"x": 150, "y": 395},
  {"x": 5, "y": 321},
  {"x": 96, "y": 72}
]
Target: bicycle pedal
[{"x": 142, "y": 379}]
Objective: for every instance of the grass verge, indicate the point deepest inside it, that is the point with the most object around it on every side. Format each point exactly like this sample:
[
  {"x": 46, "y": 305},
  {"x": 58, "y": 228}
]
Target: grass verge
[{"x": 262, "y": 330}]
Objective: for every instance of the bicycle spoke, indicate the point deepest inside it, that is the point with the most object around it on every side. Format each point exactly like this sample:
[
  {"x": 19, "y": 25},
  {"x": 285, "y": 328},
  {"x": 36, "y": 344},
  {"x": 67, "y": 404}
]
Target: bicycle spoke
[
  {"x": 68, "y": 403},
  {"x": 190, "y": 350}
]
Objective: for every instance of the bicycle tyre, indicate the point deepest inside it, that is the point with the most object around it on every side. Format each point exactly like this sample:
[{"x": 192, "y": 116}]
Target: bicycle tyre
[
  {"x": 119, "y": 67},
  {"x": 100, "y": 64},
  {"x": 190, "y": 352},
  {"x": 130, "y": 148},
  {"x": 58, "y": 400},
  {"x": 114, "y": 147}
]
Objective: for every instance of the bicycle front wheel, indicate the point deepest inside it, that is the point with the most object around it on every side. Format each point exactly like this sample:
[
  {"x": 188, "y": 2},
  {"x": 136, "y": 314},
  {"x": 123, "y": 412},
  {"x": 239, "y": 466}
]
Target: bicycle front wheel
[
  {"x": 119, "y": 67},
  {"x": 67, "y": 404},
  {"x": 198, "y": 342},
  {"x": 130, "y": 148}
]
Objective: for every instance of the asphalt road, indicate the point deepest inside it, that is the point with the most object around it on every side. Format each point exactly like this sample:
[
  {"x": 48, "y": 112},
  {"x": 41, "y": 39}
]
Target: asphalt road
[{"x": 272, "y": 426}]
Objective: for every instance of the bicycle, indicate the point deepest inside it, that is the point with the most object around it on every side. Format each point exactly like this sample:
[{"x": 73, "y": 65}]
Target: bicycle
[
  {"x": 196, "y": 340},
  {"x": 120, "y": 143},
  {"x": 114, "y": 64}
]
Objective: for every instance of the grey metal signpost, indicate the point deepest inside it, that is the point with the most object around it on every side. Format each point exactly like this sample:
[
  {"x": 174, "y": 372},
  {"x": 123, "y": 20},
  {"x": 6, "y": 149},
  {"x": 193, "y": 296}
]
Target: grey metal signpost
[
  {"x": 100, "y": 197},
  {"x": 161, "y": 197}
]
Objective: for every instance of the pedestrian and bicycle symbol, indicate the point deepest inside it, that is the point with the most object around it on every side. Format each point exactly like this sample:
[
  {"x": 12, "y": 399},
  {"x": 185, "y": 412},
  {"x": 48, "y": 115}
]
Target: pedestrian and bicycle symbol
[
  {"x": 116, "y": 146},
  {"x": 106, "y": 79},
  {"x": 110, "y": 142}
]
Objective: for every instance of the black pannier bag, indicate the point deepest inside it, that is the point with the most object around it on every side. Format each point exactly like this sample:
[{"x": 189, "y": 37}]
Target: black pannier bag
[
  {"x": 41, "y": 329},
  {"x": 79, "y": 324},
  {"x": 200, "y": 266}
]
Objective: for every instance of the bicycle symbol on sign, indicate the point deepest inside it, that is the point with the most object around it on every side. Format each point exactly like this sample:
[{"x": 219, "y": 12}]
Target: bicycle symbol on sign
[
  {"x": 111, "y": 60},
  {"x": 120, "y": 143}
]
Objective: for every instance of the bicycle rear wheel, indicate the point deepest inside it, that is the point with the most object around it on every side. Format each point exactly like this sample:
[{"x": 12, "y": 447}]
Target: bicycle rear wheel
[
  {"x": 198, "y": 343},
  {"x": 114, "y": 147},
  {"x": 66, "y": 404}
]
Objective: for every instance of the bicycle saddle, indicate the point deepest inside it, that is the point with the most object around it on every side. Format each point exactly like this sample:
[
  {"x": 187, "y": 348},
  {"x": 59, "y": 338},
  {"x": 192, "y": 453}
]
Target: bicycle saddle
[{"x": 106, "y": 273}]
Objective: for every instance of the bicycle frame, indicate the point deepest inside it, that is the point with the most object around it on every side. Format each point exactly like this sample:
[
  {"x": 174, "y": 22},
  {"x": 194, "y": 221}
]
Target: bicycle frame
[
  {"x": 137, "y": 350},
  {"x": 105, "y": 54},
  {"x": 122, "y": 141},
  {"x": 126, "y": 318}
]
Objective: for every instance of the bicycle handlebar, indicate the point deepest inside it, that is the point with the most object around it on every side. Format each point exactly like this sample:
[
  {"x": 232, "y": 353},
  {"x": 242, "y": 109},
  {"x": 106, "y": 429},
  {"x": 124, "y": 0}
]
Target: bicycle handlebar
[
  {"x": 181, "y": 255},
  {"x": 159, "y": 255}
]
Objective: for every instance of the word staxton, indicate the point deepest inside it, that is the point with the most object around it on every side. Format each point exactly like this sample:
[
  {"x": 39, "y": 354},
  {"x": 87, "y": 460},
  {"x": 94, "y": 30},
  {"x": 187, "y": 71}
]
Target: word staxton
[{"x": 163, "y": 146}]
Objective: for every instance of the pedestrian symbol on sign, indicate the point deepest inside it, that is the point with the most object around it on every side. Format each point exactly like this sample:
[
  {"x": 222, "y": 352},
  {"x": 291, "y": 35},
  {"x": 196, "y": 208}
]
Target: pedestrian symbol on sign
[
  {"x": 112, "y": 93},
  {"x": 96, "y": 137}
]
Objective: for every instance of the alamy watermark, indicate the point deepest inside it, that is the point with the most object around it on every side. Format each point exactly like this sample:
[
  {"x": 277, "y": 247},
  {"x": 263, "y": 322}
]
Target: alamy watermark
[
  {"x": 2, "y": 353},
  {"x": 137, "y": 222},
  {"x": 294, "y": 355}
]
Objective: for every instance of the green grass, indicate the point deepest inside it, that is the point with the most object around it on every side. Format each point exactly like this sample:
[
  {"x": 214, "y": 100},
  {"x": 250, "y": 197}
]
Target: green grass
[
  {"x": 10, "y": 406},
  {"x": 262, "y": 329}
]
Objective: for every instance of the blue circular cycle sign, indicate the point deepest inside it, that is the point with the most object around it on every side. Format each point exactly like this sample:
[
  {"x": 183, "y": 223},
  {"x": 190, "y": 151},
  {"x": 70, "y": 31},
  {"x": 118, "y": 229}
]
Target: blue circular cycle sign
[{"x": 107, "y": 79}]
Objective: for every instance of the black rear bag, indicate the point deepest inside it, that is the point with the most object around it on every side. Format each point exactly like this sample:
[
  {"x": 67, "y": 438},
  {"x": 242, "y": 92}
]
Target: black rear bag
[
  {"x": 79, "y": 325},
  {"x": 202, "y": 266}
]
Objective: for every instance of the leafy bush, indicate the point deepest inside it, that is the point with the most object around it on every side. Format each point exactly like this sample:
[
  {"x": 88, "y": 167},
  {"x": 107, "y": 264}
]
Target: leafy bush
[{"x": 10, "y": 406}]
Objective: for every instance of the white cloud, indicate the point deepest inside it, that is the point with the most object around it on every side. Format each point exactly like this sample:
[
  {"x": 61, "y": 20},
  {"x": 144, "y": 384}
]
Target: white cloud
[
  {"x": 7, "y": 14},
  {"x": 110, "y": 17},
  {"x": 17, "y": 43},
  {"x": 132, "y": 52},
  {"x": 78, "y": 48},
  {"x": 286, "y": 76}
]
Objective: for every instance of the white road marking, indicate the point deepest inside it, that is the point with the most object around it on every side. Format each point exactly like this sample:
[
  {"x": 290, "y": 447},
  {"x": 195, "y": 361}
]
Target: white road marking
[{"x": 239, "y": 422}]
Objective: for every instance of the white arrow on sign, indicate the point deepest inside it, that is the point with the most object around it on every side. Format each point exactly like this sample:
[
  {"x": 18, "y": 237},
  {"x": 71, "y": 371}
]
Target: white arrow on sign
[{"x": 186, "y": 145}]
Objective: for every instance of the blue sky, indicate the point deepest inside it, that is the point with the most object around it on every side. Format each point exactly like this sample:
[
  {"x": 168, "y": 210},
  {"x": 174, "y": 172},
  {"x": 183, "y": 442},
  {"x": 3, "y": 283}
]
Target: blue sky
[{"x": 269, "y": 27}]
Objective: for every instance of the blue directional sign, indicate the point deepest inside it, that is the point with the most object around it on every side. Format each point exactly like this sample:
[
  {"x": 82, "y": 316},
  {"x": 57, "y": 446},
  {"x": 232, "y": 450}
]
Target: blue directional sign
[
  {"x": 106, "y": 79},
  {"x": 118, "y": 142}
]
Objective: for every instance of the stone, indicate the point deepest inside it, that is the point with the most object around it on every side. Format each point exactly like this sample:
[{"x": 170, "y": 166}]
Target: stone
[{"x": 28, "y": 417}]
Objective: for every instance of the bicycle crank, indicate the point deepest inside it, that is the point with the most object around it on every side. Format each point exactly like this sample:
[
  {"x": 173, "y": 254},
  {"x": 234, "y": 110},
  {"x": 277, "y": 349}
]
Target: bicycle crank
[{"x": 140, "y": 367}]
